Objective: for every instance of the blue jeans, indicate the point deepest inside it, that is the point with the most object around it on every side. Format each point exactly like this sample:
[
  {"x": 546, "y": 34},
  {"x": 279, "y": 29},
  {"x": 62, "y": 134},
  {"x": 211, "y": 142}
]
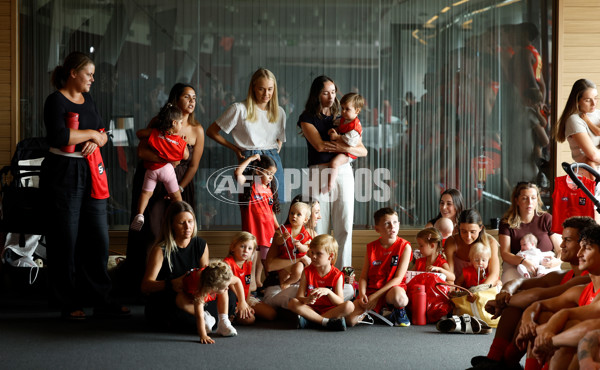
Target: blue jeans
[{"x": 278, "y": 175}]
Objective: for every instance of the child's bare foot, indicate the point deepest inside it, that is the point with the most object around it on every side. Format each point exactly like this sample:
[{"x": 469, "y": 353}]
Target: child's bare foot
[{"x": 284, "y": 286}]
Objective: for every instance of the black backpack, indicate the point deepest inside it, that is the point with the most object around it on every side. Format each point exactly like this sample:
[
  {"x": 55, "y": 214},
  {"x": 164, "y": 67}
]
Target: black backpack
[{"x": 22, "y": 201}]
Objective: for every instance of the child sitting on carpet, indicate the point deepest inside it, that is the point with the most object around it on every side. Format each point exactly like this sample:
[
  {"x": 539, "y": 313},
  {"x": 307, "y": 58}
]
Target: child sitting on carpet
[
  {"x": 292, "y": 240},
  {"x": 430, "y": 245},
  {"x": 239, "y": 260},
  {"x": 382, "y": 279},
  {"x": 320, "y": 297},
  {"x": 477, "y": 271}
]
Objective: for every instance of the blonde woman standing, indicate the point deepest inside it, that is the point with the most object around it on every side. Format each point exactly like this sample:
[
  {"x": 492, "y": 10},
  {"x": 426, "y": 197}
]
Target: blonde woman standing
[{"x": 257, "y": 126}]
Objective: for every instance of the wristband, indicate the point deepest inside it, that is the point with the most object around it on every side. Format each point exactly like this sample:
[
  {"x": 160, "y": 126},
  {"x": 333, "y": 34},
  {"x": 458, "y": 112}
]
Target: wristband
[
  {"x": 180, "y": 189},
  {"x": 168, "y": 285},
  {"x": 522, "y": 260}
]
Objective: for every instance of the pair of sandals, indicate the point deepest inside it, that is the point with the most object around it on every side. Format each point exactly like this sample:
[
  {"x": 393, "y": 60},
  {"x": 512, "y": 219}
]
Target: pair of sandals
[
  {"x": 465, "y": 324},
  {"x": 108, "y": 310}
]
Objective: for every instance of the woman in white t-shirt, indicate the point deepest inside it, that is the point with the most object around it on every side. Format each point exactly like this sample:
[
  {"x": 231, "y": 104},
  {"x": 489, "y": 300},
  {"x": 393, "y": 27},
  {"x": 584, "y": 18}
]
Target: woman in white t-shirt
[
  {"x": 257, "y": 126},
  {"x": 579, "y": 124}
]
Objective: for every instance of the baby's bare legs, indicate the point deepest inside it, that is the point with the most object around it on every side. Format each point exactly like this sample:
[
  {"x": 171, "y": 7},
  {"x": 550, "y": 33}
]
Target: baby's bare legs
[
  {"x": 143, "y": 202},
  {"x": 294, "y": 276},
  {"x": 335, "y": 163},
  {"x": 284, "y": 274}
]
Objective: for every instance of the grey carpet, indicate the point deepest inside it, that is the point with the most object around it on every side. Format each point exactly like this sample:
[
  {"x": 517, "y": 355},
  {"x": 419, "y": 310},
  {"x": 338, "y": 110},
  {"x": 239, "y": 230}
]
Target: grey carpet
[{"x": 32, "y": 337}]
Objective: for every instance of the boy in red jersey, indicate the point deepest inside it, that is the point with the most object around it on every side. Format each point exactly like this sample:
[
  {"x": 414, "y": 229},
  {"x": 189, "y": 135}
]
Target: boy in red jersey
[
  {"x": 320, "y": 297},
  {"x": 382, "y": 279}
]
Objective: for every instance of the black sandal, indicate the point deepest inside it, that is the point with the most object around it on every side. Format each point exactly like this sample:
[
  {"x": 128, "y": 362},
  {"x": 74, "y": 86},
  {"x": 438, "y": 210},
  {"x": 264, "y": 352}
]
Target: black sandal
[{"x": 112, "y": 310}]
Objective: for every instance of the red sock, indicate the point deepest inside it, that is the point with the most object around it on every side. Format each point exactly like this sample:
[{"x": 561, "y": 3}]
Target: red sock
[
  {"x": 497, "y": 349},
  {"x": 532, "y": 364},
  {"x": 512, "y": 354}
]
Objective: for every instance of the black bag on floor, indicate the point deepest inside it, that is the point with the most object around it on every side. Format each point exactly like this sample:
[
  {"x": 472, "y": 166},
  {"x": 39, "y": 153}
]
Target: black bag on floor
[{"x": 22, "y": 201}]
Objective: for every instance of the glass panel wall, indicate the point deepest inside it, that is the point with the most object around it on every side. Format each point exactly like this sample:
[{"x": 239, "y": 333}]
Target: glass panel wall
[{"x": 455, "y": 90}]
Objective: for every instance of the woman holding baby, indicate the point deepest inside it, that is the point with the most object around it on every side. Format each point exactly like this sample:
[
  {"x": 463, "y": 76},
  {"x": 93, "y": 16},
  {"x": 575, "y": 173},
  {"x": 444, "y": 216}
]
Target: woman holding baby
[{"x": 526, "y": 216}]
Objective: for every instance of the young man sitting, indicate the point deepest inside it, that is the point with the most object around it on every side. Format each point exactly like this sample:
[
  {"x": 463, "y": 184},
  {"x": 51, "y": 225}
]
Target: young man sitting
[
  {"x": 518, "y": 294},
  {"x": 570, "y": 308}
]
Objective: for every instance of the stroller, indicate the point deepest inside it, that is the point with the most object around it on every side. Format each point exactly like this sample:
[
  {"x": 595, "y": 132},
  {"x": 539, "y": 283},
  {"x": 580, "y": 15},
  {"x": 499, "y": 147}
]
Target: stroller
[
  {"x": 568, "y": 167},
  {"x": 22, "y": 217}
]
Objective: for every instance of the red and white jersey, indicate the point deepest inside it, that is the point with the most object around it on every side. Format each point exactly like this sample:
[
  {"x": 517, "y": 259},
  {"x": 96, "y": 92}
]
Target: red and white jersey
[
  {"x": 421, "y": 263},
  {"x": 288, "y": 249},
  {"x": 314, "y": 280},
  {"x": 470, "y": 275},
  {"x": 383, "y": 262},
  {"x": 171, "y": 148},
  {"x": 257, "y": 215},
  {"x": 191, "y": 280},
  {"x": 244, "y": 272},
  {"x": 570, "y": 274},
  {"x": 588, "y": 295},
  {"x": 568, "y": 202}
]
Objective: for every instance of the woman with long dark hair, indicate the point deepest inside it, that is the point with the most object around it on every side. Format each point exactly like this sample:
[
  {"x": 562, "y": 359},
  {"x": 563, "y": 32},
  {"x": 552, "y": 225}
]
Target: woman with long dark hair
[
  {"x": 337, "y": 206},
  {"x": 139, "y": 242}
]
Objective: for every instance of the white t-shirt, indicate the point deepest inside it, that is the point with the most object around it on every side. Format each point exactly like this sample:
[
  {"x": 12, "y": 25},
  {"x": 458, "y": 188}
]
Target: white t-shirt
[
  {"x": 258, "y": 135},
  {"x": 576, "y": 125}
]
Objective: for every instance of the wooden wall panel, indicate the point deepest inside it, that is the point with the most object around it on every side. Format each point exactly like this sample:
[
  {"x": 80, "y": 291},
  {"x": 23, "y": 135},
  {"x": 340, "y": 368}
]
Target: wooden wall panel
[
  {"x": 218, "y": 242},
  {"x": 8, "y": 40}
]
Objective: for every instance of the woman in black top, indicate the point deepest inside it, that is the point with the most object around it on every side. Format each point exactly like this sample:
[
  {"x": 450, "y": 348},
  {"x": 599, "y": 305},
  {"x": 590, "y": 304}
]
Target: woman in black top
[
  {"x": 337, "y": 206},
  {"x": 177, "y": 251},
  {"x": 77, "y": 233}
]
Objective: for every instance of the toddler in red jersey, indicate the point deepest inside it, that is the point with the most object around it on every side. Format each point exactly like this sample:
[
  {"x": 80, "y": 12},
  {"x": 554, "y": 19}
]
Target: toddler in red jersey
[
  {"x": 433, "y": 260},
  {"x": 320, "y": 297},
  {"x": 349, "y": 130},
  {"x": 382, "y": 279},
  {"x": 163, "y": 139},
  {"x": 259, "y": 203},
  {"x": 477, "y": 271},
  {"x": 239, "y": 260},
  {"x": 204, "y": 285},
  {"x": 292, "y": 241}
]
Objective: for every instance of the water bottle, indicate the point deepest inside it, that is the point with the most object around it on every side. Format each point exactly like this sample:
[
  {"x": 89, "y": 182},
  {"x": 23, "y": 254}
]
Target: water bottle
[
  {"x": 72, "y": 122},
  {"x": 419, "y": 305}
]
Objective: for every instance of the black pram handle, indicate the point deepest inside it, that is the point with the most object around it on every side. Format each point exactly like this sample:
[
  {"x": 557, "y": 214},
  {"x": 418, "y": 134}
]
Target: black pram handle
[{"x": 568, "y": 167}]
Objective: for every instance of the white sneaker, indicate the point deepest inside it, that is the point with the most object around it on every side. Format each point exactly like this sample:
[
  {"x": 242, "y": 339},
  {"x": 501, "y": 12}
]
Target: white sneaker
[
  {"x": 225, "y": 329},
  {"x": 209, "y": 322},
  {"x": 137, "y": 223}
]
